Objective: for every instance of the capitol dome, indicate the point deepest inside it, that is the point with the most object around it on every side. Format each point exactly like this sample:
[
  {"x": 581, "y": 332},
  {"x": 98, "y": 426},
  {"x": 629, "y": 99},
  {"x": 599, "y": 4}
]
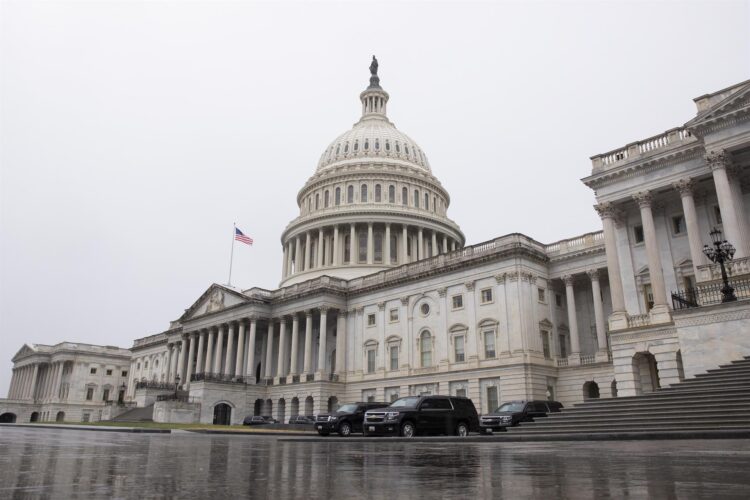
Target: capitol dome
[{"x": 371, "y": 204}]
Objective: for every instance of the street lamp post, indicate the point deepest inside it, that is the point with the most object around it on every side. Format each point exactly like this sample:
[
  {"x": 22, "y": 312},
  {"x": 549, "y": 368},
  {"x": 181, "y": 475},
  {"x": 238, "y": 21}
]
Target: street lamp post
[
  {"x": 176, "y": 385},
  {"x": 722, "y": 252}
]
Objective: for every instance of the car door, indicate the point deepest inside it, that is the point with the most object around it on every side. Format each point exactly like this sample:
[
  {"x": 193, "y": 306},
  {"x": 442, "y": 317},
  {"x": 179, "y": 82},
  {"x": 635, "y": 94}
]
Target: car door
[
  {"x": 358, "y": 418},
  {"x": 426, "y": 415},
  {"x": 444, "y": 416}
]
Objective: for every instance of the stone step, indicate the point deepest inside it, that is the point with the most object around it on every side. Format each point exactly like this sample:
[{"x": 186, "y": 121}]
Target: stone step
[
  {"x": 559, "y": 419},
  {"x": 671, "y": 395},
  {"x": 725, "y": 369},
  {"x": 634, "y": 424},
  {"x": 138, "y": 414},
  {"x": 649, "y": 410},
  {"x": 716, "y": 378},
  {"x": 638, "y": 428},
  {"x": 685, "y": 400}
]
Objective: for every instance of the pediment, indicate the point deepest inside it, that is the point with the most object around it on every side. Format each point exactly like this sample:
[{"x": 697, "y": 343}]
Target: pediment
[
  {"x": 732, "y": 99},
  {"x": 25, "y": 350},
  {"x": 215, "y": 299},
  {"x": 545, "y": 323}
]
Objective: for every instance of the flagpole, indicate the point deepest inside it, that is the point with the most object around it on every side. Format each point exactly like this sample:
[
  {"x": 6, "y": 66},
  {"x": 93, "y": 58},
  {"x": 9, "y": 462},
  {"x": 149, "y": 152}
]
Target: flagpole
[{"x": 231, "y": 254}]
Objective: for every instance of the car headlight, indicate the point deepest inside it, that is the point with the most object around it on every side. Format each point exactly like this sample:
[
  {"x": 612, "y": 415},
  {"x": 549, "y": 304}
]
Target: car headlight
[
  {"x": 391, "y": 415},
  {"x": 332, "y": 418}
]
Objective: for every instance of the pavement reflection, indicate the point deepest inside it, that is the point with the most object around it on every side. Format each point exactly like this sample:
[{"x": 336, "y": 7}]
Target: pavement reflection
[{"x": 52, "y": 463}]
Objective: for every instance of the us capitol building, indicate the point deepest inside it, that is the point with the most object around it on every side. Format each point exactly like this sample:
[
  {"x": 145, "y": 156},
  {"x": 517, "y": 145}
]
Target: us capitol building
[{"x": 380, "y": 297}]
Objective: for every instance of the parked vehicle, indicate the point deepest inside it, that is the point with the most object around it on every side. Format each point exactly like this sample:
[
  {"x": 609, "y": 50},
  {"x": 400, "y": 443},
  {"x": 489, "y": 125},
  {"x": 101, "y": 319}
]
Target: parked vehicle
[
  {"x": 513, "y": 413},
  {"x": 256, "y": 420},
  {"x": 412, "y": 415},
  {"x": 301, "y": 419},
  {"x": 270, "y": 420},
  {"x": 346, "y": 419}
]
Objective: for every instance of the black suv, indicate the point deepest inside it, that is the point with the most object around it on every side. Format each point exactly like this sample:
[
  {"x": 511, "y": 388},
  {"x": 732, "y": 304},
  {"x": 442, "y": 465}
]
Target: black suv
[
  {"x": 346, "y": 419},
  {"x": 513, "y": 413},
  {"x": 414, "y": 415}
]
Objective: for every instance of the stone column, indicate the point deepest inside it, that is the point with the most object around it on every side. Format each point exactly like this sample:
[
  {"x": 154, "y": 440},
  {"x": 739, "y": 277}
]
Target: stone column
[
  {"x": 251, "y": 349},
  {"x": 308, "y": 244},
  {"x": 420, "y": 244},
  {"x": 12, "y": 387},
  {"x": 353, "y": 256},
  {"x": 58, "y": 380},
  {"x": 322, "y": 346},
  {"x": 199, "y": 364},
  {"x": 281, "y": 362},
  {"x": 445, "y": 244},
  {"x": 295, "y": 344},
  {"x": 219, "y": 348},
  {"x": 284, "y": 261},
  {"x": 210, "y": 351},
  {"x": 307, "y": 365},
  {"x": 660, "y": 311},
  {"x": 239, "y": 365},
  {"x": 230, "y": 351},
  {"x": 575, "y": 344},
  {"x": 387, "y": 245},
  {"x": 370, "y": 244},
  {"x": 404, "y": 245},
  {"x": 718, "y": 161},
  {"x": 269, "y": 349},
  {"x": 336, "y": 249},
  {"x": 685, "y": 187},
  {"x": 173, "y": 364},
  {"x": 341, "y": 344},
  {"x": 601, "y": 333},
  {"x": 298, "y": 255},
  {"x": 320, "y": 248},
  {"x": 34, "y": 376},
  {"x": 182, "y": 360},
  {"x": 190, "y": 358},
  {"x": 435, "y": 249},
  {"x": 619, "y": 318}
]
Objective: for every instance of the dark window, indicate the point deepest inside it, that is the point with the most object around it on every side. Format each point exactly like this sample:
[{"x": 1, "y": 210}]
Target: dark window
[
  {"x": 326, "y": 199},
  {"x": 89, "y": 394},
  {"x": 391, "y": 194},
  {"x": 109, "y": 372},
  {"x": 363, "y": 193},
  {"x": 105, "y": 395},
  {"x": 377, "y": 193},
  {"x": 638, "y": 233},
  {"x": 404, "y": 196},
  {"x": 416, "y": 198},
  {"x": 350, "y": 194},
  {"x": 124, "y": 373},
  {"x": 442, "y": 404},
  {"x": 356, "y": 145},
  {"x": 337, "y": 198},
  {"x": 93, "y": 371}
]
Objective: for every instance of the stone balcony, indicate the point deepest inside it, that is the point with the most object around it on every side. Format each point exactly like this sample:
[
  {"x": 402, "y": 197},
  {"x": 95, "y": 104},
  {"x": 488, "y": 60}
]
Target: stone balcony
[{"x": 639, "y": 150}]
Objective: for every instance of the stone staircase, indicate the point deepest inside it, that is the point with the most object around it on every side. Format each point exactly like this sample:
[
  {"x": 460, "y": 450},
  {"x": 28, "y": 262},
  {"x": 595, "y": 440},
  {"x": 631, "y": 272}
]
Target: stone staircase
[
  {"x": 716, "y": 402},
  {"x": 138, "y": 414}
]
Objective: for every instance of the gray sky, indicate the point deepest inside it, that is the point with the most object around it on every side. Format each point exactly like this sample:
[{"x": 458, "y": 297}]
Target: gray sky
[{"x": 132, "y": 135}]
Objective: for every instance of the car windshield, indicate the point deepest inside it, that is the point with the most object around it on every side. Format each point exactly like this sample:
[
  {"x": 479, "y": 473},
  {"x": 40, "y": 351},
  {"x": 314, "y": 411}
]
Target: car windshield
[
  {"x": 351, "y": 408},
  {"x": 510, "y": 407},
  {"x": 410, "y": 402}
]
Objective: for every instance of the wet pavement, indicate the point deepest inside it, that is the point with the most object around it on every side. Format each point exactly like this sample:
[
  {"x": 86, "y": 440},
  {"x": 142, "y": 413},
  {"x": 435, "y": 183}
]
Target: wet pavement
[{"x": 53, "y": 463}]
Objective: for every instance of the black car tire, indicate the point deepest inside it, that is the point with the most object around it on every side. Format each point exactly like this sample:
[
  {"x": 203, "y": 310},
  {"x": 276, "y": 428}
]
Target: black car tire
[
  {"x": 345, "y": 429},
  {"x": 408, "y": 430},
  {"x": 462, "y": 429},
  {"x": 323, "y": 433}
]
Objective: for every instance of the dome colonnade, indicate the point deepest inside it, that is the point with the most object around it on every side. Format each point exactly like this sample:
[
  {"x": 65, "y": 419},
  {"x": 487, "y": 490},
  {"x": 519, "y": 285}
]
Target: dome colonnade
[{"x": 372, "y": 203}]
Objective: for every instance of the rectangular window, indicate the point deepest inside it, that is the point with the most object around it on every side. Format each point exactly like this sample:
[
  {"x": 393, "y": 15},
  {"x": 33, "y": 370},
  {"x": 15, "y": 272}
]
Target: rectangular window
[
  {"x": 109, "y": 372},
  {"x": 371, "y": 319},
  {"x": 638, "y": 234},
  {"x": 492, "y": 398},
  {"x": 648, "y": 297},
  {"x": 89, "y": 394},
  {"x": 458, "y": 301},
  {"x": 371, "y": 361},
  {"x": 393, "y": 350},
  {"x": 93, "y": 371},
  {"x": 541, "y": 295},
  {"x": 378, "y": 247},
  {"x": 105, "y": 395},
  {"x": 86, "y": 417},
  {"x": 486, "y": 295},
  {"x": 394, "y": 396},
  {"x": 558, "y": 300},
  {"x": 363, "y": 247},
  {"x": 124, "y": 373},
  {"x": 563, "y": 346},
  {"x": 461, "y": 393},
  {"x": 458, "y": 346},
  {"x": 393, "y": 315},
  {"x": 489, "y": 344},
  {"x": 678, "y": 224},
  {"x": 545, "y": 345}
]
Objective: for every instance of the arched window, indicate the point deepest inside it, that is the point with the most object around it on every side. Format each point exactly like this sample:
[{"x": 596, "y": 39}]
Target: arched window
[
  {"x": 391, "y": 194},
  {"x": 326, "y": 199},
  {"x": 317, "y": 201},
  {"x": 406, "y": 148},
  {"x": 377, "y": 144},
  {"x": 363, "y": 193},
  {"x": 367, "y": 144},
  {"x": 356, "y": 146},
  {"x": 426, "y": 201},
  {"x": 398, "y": 148},
  {"x": 416, "y": 198},
  {"x": 363, "y": 246},
  {"x": 394, "y": 247},
  {"x": 387, "y": 145},
  {"x": 346, "y": 148},
  {"x": 338, "y": 149},
  {"x": 377, "y": 193},
  {"x": 350, "y": 194},
  {"x": 425, "y": 349},
  {"x": 337, "y": 197},
  {"x": 378, "y": 244},
  {"x": 404, "y": 196},
  {"x": 347, "y": 247},
  {"x": 434, "y": 203}
]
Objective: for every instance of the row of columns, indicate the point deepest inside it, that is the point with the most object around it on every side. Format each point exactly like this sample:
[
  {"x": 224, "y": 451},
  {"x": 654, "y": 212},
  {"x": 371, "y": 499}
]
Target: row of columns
[
  {"x": 31, "y": 382},
  {"x": 570, "y": 300},
  {"x": 330, "y": 250},
  {"x": 186, "y": 356}
]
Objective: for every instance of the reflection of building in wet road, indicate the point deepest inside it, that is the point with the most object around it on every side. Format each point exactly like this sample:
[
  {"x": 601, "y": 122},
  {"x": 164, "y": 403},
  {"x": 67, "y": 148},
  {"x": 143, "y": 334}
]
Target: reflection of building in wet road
[
  {"x": 45, "y": 462},
  {"x": 380, "y": 297}
]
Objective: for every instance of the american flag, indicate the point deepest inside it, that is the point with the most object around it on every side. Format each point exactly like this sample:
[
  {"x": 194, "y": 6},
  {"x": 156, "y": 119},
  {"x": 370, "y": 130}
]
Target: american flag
[{"x": 240, "y": 236}]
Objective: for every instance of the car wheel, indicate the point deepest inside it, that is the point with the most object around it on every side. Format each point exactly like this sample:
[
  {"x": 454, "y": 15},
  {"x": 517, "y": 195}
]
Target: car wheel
[
  {"x": 408, "y": 430},
  {"x": 345, "y": 429},
  {"x": 323, "y": 433},
  {"x": 462, "y": 429}
]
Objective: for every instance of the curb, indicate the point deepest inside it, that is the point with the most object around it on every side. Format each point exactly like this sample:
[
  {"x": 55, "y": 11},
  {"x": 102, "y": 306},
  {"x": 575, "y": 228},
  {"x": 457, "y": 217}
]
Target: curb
[
  {"x": 604, "y": 436},
  {"x": 136, "y": 430},
  {"x": 248, "y": 433}
]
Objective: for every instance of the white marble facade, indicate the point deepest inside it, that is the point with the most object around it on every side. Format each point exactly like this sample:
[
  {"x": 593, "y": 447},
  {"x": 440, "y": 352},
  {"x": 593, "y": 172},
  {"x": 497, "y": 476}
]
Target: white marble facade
[{"x": 375, "y": 264}]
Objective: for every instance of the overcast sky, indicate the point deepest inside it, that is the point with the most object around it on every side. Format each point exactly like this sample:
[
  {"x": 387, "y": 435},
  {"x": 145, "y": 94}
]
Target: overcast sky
[{"x": 132, "y": 135}]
